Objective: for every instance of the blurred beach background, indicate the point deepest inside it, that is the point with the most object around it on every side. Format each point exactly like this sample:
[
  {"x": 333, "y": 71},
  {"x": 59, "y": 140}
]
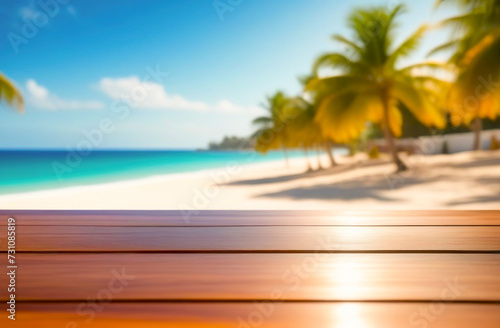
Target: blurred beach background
[
  {"x": 200, "y": 105},
  {"x": 467, "y": 180}
]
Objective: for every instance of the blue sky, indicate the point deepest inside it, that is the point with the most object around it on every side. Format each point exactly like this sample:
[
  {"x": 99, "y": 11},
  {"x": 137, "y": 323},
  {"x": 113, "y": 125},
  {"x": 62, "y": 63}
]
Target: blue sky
[{"x": 86, "y": 54}]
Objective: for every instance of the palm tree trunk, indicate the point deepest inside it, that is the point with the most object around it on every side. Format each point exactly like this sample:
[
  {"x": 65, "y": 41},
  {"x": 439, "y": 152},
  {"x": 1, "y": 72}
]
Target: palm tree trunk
[
  {"x": 389, "y": 138},
  {"x": 477, "y": 126},
  {"x": 309, "y": 167},
  {"x": 328, "y": 149},
  {"x": 320, "y": 167},
  {"x": 286, "y": 157}
]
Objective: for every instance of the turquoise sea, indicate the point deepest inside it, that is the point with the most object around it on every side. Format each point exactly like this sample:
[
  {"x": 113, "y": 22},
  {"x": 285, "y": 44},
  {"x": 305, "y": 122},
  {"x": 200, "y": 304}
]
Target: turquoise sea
[{"x": 22, "y": 171}]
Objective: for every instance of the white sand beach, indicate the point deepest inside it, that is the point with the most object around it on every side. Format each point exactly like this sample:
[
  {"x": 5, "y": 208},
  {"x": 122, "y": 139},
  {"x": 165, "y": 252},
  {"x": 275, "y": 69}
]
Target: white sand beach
[{"x": 459, "y": 181}]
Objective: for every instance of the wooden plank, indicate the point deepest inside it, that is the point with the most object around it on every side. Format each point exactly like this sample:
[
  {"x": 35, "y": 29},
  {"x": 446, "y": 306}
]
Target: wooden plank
[
  {"x": 263, "y": 239},
  {"x": 331, "y": 277},
  {"x": 245, "y": 218},
  {"x": 277, "y": 315}
]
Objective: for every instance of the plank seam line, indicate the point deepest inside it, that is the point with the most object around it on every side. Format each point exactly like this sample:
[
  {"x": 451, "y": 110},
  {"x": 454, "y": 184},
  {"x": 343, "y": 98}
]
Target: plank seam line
[
  {"x": 260, "y": 225},
  {"x": 264, "y": 300},
  {"x": 261, "y": 252}
]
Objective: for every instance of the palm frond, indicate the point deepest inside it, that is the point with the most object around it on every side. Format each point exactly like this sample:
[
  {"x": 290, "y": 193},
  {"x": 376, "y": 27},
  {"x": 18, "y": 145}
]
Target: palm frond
[
  {"x": 409, "y": 44},
  {"x": 351, "y": 45},
  {"x": 262, "y": 121},
  {"x": 453, "y": 44},
  {"x": 10, "y": 94},
  {"x": 417, "y": 101},
  {"x": 431, "y": 65},
  {"x": 334, "y": 60}
]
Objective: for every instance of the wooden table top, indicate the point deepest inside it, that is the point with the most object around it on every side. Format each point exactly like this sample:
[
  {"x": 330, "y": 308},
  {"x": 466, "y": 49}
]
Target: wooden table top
[{"x": 254, "y": 269}]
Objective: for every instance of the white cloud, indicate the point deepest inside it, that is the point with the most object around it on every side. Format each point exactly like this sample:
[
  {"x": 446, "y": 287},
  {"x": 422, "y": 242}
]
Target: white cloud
[
  {"x": 36, "y": 90},
  {"x": 147, "y": 95},
  {"x": 40, "y": 97},
  {"x": 150, "y": 95}
]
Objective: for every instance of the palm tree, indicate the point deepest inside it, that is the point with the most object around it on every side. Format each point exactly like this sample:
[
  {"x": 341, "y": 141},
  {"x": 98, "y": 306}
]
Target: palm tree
[
  {"x": 10, "y": 94},
  {"x": 272, "y": 130},
  {"x": 368, "y": 84},
  {"x": 475, "y": 95},
  {"x": 304, "y": 129}
]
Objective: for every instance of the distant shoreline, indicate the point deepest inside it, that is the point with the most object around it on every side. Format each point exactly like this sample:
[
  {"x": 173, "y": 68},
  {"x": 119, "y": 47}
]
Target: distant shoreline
[
  {"x": 25, "y": 171},
  {"x": 165, "y": 177},
  {"x": 140, "y": 173}
]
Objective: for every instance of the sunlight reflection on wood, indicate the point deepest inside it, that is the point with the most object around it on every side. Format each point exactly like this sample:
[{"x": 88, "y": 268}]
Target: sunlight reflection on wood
[{"x": 349, "y": 315}]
